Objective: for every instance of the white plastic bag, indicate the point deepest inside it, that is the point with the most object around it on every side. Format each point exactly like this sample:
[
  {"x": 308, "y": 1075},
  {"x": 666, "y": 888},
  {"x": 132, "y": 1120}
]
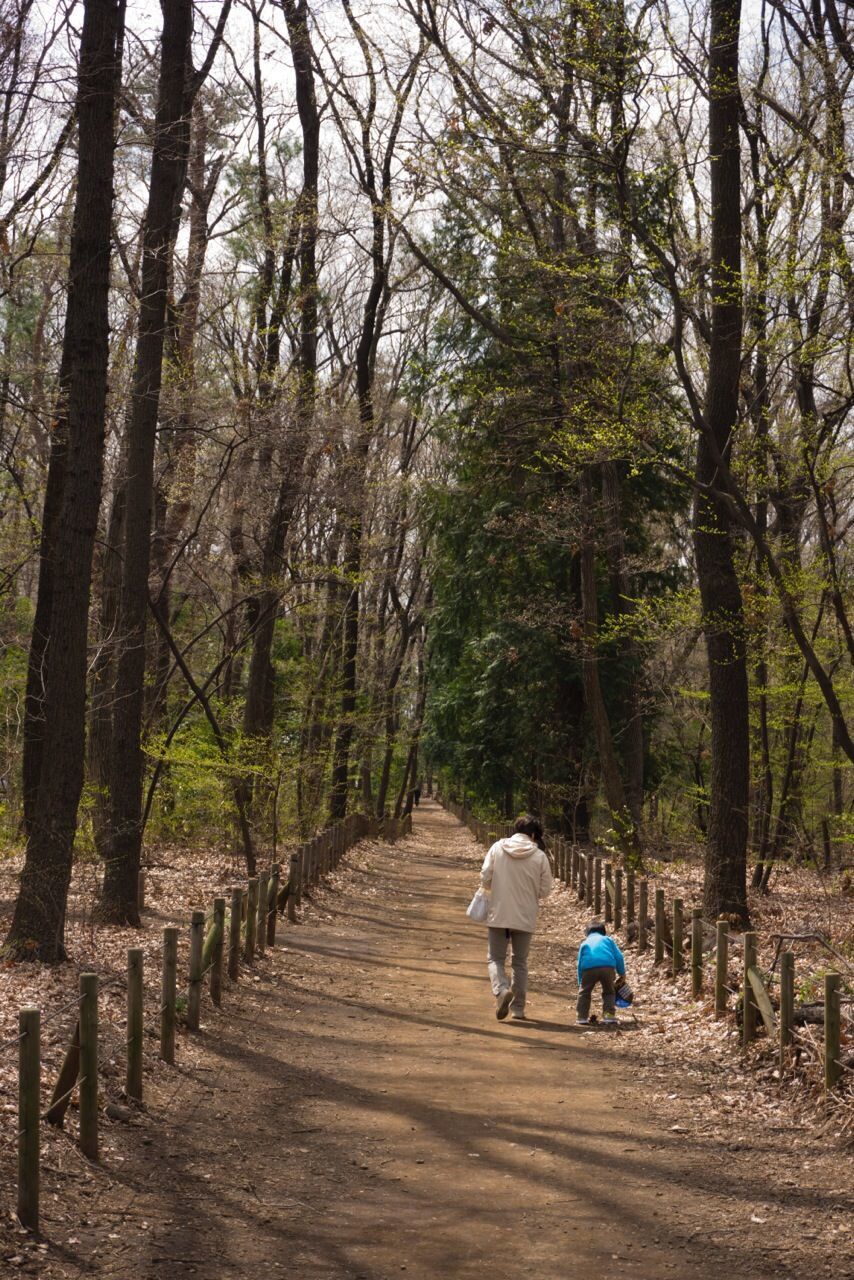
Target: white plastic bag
[{"x": 478, "y": 908}]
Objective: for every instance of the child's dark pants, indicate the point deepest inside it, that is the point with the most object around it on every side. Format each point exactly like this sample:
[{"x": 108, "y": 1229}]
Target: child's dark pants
[{"x": 607, "y": 976}]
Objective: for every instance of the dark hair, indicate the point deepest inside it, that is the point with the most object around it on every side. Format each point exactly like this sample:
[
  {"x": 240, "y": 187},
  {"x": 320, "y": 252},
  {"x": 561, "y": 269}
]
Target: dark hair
[
  {"x": 596, "y": 927},
  {"x": 527, "y": 825}
]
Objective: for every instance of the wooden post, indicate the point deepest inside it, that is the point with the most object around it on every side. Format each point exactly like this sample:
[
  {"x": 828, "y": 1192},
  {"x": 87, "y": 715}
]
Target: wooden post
[
  {"x": 618, "y": 899},
  {"x": 219, "y": 950},
  {"x": 588, "y": 882},
  {"x": 609, "y": 885},
  {"x": 630, "y": 898},
  {"x": 194, "y": 989},
  {"x": 643, "y": 914},
  {"x": 298, "y": 865},
  {"x": 140, "y": 891},
  {"x": 234, "y": 933},
  {"x": 251, "y": 920},
  {"x": 261, "y": 931},
  {"x": 721, "y": 967},
  {"x": 832, "y": 1065},
  {"x": 65, "y": 1081},
  {"x": 88, "y": 1079},
  {"x": 748, "y": 1022},
  {"x": 659, "y": 926},
  {"x": 273, "y": 903},
  {"x": 787, "y": 1004},
  {"x": 133, "y": 1066},
  {"x": 29, "y": 1106},
  {"x": 575, "y": 864},
  {"x": 582, "y": 877},
  {"x": 292, "y": 902},
  {"x": 697, "y": 952},
  {"x": 168, "y": 991},
  {"x": 677, "y": 958},
  {"x": 597, "y": 886}
]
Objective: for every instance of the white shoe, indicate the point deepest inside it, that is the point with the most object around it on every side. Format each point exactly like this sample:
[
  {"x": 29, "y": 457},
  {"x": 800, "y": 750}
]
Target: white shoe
[{"x": 503, "y": 1003}]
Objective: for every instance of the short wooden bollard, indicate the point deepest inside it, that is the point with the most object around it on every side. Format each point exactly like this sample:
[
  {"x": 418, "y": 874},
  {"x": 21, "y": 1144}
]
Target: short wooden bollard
[
  {"x": 218, "y": 950},
  {"x": 597, "y": 886},
  {"x": 575, "y": 862},
  {"x": 787, "y": 1004},
  {"x": 140, "y": 891},
  {"x": 194, "y": 989},
  {"x": 168, "y": 994},
  {"x": 29, "y": 1106},
  {"x": 678, "y": 957},
  {"x": 659, "y": 926},
  {"x": 748, "y": 1019},
  {"x": 273, "y": 903},
  {"x": 251, "y": 919},
  {"x": 582, "y": 877},
  {"x": 721, "y": 967},
  {"x": 261, "y": 931},
  {"x": 88, "y": 1078},
  {"x": 697, "y": 952},
  {"x": 299, "y": 875},
  {"x": 133, "y": 1066},
  {"x": 234, "y": 933},
  {"x": 832, "y": 1018},
  {"x": 643, "y": 914},
  {"x": 609, "y": 889},
  {"x": 292, "y": 901},
  {"x": 618, "y": 899},
  {"x": 630, "y": 898},
  {"x": 588, "y": 881}
]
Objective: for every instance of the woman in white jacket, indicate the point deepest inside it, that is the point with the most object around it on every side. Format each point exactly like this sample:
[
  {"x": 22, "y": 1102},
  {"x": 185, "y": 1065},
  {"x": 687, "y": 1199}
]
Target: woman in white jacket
[{"x": 517, "y": 874}]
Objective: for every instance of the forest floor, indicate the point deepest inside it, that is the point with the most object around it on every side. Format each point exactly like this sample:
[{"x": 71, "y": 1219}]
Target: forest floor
[{"x": 355, "y": 1110}]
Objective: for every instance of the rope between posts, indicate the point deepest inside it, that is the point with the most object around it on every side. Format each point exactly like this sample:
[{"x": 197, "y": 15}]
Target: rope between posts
[
  {"x": 16, "y": 1040},
  {"x": 56, "y": 1101},
  {"x": 60, "y": 1009}
]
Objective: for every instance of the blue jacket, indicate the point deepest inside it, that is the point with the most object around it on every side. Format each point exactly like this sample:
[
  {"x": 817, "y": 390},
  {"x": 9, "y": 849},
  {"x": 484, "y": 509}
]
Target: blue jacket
[{"x": 598, "y": 951}]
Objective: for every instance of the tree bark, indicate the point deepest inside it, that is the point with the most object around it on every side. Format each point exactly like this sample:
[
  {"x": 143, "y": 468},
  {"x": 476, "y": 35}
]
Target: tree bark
[
  {"x": 723, "y": 621},
  {"x": 38, "y": 924},
  {"x": 612, "y": 780},
  {"x": 168, "y": 173},
  {"x": 260, "y": 691}
]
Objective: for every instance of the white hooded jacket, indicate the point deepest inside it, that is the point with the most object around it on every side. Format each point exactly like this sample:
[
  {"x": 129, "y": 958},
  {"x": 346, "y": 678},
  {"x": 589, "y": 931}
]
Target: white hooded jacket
[{"x": 517, "y": 873}]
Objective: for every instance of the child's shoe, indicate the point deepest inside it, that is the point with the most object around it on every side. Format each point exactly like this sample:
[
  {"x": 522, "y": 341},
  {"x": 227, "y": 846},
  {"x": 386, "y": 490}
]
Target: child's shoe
[
  {"x": 582, "y": 1022},
  {"x": 609, "y": 1019}
]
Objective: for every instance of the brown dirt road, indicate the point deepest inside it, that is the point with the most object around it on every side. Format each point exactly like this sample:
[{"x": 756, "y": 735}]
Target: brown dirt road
[{"x": 360, "y": 1113}]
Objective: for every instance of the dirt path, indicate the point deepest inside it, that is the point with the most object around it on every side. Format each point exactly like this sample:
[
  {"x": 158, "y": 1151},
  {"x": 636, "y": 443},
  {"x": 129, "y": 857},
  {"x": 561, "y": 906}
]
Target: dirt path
[{"x": 362, "y": 1114}]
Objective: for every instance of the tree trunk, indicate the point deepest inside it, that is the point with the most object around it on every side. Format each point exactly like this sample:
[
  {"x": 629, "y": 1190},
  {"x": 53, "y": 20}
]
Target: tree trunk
[
  {"x": 34, "y": 712},
  {"x": 168, "y": 173},
  {"x": 720, "y": 593},
  {"x": 260, "y": 702},
  {"x": 38, "y": 924},
  {"x": 615, "y": 795},
  {"x": 624, "y": 606}
]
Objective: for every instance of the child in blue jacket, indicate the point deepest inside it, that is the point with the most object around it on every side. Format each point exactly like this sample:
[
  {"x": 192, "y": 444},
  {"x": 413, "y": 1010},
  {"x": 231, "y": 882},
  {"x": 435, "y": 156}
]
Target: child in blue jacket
[{"x": 600, "y": 960}]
